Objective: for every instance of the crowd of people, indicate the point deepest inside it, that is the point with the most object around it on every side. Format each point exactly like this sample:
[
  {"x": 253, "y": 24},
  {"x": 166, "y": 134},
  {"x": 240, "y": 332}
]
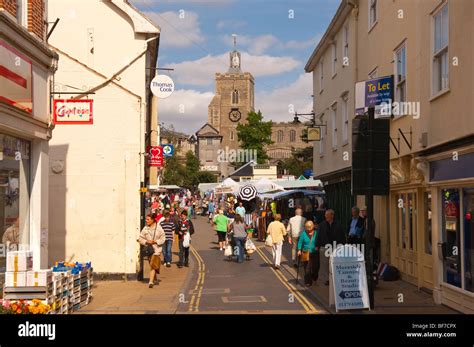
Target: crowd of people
[{"x": 235, "y": 223}]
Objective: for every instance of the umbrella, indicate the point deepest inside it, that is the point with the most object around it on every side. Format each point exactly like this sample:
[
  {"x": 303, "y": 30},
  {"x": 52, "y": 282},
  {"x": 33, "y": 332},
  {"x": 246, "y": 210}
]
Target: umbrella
[{"x": 248, "y": 192}]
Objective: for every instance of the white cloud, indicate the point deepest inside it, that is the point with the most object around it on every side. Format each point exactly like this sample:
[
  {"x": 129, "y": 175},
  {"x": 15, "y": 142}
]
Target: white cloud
[
  {"x": 261, "y": 43},
  {"x": 201, "y": 72},
  {"x": 186, "y": 109},
  {"x": 275, "y": 105},
  {"x": 230, "y": 24},
  {"x": 176, "y": 31}
]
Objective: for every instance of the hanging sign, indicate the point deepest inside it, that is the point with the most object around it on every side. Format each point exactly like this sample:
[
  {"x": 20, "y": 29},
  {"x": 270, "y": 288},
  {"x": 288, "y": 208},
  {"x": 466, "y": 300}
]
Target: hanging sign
[
  {"x": 155, "y": 156},
  {"x": 72, "y": 111},
  {"x": 162, "y": 86}
]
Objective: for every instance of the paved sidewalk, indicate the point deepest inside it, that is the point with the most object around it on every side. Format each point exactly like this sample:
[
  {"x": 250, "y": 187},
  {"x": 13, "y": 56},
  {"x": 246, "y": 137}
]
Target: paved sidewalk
[
  {"x": 415, "y": 301},
  {"x": 134, "y": 297}
]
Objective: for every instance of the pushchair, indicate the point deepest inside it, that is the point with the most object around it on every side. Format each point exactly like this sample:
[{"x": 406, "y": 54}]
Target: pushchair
[{"x": 230, "y": 252}]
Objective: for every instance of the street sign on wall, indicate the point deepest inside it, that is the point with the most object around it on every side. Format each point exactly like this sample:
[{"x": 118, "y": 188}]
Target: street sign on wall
[
  {"x": 314, "y": 133},
  {"x": 72, "y": 111},
  {"x": 373, "y": 93},
  {"x": 168, "y": 150},
  {"x": 349, "y": 278},
  {"x": 155, "y": 156}
]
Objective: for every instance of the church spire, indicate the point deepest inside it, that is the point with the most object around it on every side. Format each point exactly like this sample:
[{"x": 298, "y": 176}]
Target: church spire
[{"x": 234, "y": 56}]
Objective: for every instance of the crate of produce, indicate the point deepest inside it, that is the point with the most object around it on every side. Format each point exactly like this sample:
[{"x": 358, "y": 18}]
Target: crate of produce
[
  {"x": 15, "y": 279},
  {"x": 39, "y": 278},
  {"x": 19, "y": 261}
]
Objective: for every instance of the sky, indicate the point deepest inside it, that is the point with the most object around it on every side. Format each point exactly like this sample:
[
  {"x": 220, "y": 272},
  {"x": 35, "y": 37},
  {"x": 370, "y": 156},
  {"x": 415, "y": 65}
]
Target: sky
[{"x": 275, "y": 38}]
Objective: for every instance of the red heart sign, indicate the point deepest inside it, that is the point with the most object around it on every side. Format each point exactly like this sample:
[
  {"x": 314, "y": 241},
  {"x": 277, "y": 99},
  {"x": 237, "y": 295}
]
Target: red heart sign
[{"x": 155, "y": 152}]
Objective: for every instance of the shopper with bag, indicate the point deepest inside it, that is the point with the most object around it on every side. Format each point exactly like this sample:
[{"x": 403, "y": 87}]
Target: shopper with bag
[
  {"x": 221, "y": 222},
  {"x": 184, "y": 230},
  {"x": 308, "y": 253},
  {"x": 152, "y": 238},
  {"x": 276, "y": 232},
  {"x": 240, "y": 235}
]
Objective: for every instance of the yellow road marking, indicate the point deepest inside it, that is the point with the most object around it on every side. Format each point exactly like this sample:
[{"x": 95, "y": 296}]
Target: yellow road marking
[
  {"x": 197, "y": 292},
  {"x": 308, "y": 306}
]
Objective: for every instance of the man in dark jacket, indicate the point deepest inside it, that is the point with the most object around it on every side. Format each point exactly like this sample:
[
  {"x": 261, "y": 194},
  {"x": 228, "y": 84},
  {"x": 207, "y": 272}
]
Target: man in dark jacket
[
  {"x": 184, "y": 226},
  {"x": 329, "y": 231},
  {"x": 356, "y": 229}
]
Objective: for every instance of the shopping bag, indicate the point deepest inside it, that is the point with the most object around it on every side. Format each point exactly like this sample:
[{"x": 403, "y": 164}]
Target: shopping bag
[
  {"x": 228, "y": 251},
  {"x": 249, "y": 245},
  {"x": 186, "y": 240},
  {"x": 269, "y": 241}
]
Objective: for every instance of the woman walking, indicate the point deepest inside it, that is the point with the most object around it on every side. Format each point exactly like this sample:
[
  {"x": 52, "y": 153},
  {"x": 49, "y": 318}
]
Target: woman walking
[
  {"x": 277, "y": 232},
  {"x": 153, "y": 235},
  {"x": 240, "y": 236},
  {"x": 221, "y": 222},
  {"x": 308, "y": 253}
]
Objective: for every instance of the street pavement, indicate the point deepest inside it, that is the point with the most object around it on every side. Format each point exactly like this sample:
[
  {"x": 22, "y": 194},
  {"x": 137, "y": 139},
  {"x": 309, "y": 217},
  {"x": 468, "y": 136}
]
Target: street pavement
[{"x": 221, "y": 286}]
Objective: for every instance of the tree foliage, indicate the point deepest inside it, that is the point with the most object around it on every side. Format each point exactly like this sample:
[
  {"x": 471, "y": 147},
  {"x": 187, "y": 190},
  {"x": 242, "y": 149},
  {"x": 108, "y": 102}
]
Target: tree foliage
[
  {"x": 302, "y": 159},
  {"x": 255, "y": 135},
  {"x": 186, "y": 175}
]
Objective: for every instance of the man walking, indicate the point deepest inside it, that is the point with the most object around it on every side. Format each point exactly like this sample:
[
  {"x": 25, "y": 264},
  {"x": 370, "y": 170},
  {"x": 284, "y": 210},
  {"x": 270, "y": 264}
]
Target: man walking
[
  {"x": 330, "y": 231},
  {"x": 356, "y": 227},
  {"x": 295, "y": 227},
  {"x": 184, "y": 226},
  {"x": 169, "y": 227},
  {"x": 241, "y": 210}
]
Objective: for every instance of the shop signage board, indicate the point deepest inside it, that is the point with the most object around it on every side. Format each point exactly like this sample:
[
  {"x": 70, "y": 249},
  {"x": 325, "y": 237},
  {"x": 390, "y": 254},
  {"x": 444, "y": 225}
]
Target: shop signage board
[
  {"x": 16, "y": 72},
  {"x": 377, "y": 93},
  {"x": 155, "y": 156},
  {"x": 168, "y": 150},
  {"x": 73, "y": 111},
  {"x": 162, "y": 86},
  {"x": 314, "y": 133},
  {"x": 349, "y": 278}
]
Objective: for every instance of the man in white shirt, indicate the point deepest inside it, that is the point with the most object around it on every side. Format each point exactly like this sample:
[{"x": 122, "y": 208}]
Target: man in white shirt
[
  {"x": 295, "y": 227},
  {"x": 240, "y": 210}
]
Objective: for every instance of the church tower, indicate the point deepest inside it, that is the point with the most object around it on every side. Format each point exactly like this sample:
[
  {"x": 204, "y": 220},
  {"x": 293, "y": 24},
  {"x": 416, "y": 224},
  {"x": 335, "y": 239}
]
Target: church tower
[{"x": 233, "y": 100}]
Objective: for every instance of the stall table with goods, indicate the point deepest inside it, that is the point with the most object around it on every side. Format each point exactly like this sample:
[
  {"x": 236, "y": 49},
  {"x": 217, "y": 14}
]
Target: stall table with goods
[{"x": 63, "y": 289}]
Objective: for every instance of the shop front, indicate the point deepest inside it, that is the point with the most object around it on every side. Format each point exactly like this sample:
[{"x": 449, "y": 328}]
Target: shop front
[
  {"x": 27, "y": 66},
  {"x": 452, "y": 181}
]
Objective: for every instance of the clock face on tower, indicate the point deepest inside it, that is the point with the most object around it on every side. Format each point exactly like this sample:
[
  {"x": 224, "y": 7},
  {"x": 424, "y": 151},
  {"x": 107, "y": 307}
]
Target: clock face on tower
[{"x": 235, "y": 115}]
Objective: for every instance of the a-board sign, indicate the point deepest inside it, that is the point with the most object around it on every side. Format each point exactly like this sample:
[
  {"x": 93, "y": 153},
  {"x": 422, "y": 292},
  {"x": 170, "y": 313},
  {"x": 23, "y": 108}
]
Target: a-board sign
[{"x": 349, "y": 278}]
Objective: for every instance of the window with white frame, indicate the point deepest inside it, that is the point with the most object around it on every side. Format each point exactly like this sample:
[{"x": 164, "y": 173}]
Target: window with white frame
[
  {"x": 345, "y": 120},
  {"x": 321, "y": 76},
  {"x": 400, "y": 73},
  {"x": 334, "y": 125},
  {"x": 322, "y": 140},
  {"x": 22, "y": 12},
  {"x": 440, "y": 50},
  {"x": 345, "y": 47},
  {"x": 334, "y": 58},
  {"x": 372, "y": 13}
]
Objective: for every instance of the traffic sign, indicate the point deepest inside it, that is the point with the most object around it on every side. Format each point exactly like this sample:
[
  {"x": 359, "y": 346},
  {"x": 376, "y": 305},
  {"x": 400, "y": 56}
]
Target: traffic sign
[{"x": 168, "y": 150}]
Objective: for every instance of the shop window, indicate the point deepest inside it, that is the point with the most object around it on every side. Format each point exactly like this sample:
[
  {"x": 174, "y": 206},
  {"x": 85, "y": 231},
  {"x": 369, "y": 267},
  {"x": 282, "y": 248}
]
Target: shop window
[
  {"x": 14, "y": 195},
  {"x": 450, "y": 236}
]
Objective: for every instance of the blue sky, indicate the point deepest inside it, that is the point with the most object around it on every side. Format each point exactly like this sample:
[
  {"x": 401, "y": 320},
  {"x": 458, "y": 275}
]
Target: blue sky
[{"x": 196, "y": 39}]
